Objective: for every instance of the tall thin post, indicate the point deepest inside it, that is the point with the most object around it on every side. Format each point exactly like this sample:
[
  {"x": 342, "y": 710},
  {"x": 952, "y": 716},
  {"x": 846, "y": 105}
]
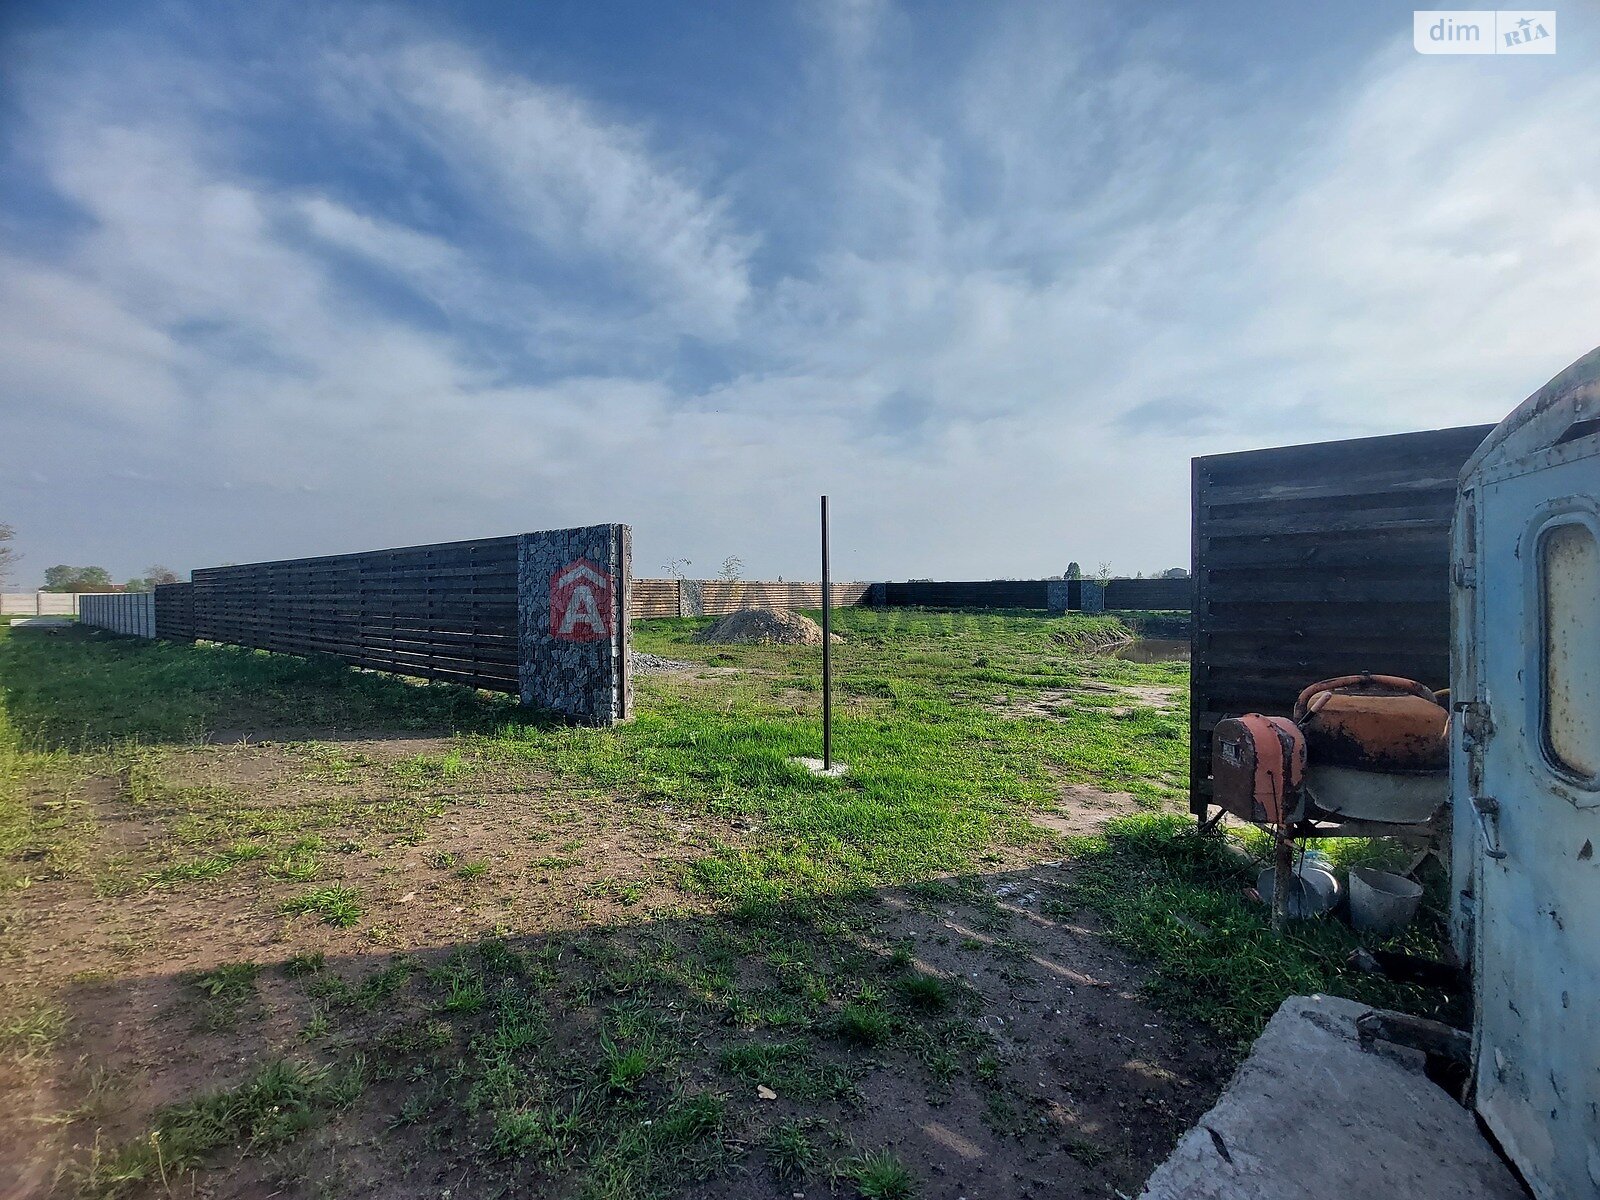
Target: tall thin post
[{"x": 827, "y": 648}]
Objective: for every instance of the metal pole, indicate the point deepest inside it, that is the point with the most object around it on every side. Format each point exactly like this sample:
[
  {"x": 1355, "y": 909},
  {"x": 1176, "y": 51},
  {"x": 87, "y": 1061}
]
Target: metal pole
[
  {"x": 1282, "y": 873},
  {"x": 827, "y": 648}
]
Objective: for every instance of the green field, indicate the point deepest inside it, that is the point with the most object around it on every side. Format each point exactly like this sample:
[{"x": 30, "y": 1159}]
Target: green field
[{"x": 396, "y": 929}]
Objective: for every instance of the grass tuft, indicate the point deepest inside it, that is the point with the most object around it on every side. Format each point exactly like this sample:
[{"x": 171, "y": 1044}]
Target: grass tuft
[
  {"x": 335, "y": 904},
  {"x": 880, "y": 1176},
  {"x": 276, "y": 1104}
]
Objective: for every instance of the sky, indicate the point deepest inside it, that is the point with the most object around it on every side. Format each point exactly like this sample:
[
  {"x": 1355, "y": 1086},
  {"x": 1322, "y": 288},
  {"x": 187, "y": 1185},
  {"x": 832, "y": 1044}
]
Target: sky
[{"x": 287, "y": 279}]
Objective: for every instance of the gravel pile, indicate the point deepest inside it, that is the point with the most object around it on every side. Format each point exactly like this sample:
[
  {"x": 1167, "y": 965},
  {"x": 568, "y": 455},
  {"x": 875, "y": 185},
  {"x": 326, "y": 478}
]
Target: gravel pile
[
  {"x": 654, "y": 664},
  {"x": 764, "y": 627}
]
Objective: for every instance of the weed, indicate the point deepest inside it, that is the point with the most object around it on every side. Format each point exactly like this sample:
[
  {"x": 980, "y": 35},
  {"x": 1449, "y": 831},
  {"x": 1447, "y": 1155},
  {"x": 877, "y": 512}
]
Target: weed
[
  {"x": 300, "y": 965},
  {"x": 473, "y": 870},
  {"x": 550, "y": 1131},
  {"x": 226, "y": 990},
  {"x": 210, "y": 866},
  {"x": 880, "y": 1176},
  {"x": 466, "y": 994},
  {"x": 1090, "y": 1154},
  {"x": 927, "y": 993},
  {"x": 864, "y": 1024},
  {"x": 34, "y": 1031},
  {"x": 790, "y": 1150},
  {"x": 335, "y": 904},
  {"x": 278, "y": 1102},
  {"x": 788, "y": 1068},
  {"x": 622, "y": 1070},
  {"x": 298, "y": 863}
]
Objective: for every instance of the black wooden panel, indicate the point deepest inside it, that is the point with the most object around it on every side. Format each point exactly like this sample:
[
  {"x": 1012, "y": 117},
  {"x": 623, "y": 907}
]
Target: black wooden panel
[
  {"x": 175, "y": 612},
  {"x": 1148, "y": 593},
  {"x": 446, "y": 611},
  {"x": 994, "y": 593},
  {"x": 1310, "y": 561}
]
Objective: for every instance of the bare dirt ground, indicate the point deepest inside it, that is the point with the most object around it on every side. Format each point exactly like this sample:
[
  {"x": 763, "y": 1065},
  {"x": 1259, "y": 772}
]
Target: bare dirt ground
[{"x": 1039, "y": 1072}]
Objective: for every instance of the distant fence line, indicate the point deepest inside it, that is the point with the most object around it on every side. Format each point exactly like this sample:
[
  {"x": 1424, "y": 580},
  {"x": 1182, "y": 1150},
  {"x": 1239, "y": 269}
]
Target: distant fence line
[
  {"x": 43, "y": 604},
  {"x": 1053, "y": 595},
  {"x": 131, "y": 613},
  {"x": 653, "y": 598}
]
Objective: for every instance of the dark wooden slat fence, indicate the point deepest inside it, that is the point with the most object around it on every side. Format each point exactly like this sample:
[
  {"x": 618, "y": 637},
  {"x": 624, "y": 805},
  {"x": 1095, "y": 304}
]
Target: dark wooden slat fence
[
  {"x": 175, "y": 611},
  {"x": 445, "y": 611},
  {"x": 991, "y": 593},
  {"x": 1314, "y": 561}
]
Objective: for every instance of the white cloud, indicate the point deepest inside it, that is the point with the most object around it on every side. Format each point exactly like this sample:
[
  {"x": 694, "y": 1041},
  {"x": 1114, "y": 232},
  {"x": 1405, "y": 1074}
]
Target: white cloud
[
  {"x": 991, "y": 290},
  {"x": 583, "y": 188}
]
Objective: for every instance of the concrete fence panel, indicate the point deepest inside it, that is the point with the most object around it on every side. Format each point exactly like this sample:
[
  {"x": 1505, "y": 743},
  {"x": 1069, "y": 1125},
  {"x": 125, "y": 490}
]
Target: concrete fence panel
[{"x": 130, "y": 613}]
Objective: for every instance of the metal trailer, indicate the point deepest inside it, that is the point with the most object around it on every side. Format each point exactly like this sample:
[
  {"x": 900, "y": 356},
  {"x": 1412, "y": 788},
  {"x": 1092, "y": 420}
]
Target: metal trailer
[{"x": 1525, "y": 778}]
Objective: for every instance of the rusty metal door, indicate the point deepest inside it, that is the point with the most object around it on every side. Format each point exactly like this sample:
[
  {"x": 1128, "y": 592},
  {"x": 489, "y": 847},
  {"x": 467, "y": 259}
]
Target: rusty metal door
[{"x": 1527, "y": 799}]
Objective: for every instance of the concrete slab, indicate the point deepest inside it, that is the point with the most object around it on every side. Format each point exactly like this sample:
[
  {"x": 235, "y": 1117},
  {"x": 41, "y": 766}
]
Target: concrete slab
[
  {"x": 1312, "y": 1116},
  {"x": 45, "y": 623},
  {"x": 814, "y": 765}
]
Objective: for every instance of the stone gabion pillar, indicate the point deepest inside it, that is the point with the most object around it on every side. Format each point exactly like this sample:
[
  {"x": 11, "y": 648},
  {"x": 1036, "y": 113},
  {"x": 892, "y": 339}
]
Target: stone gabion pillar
[
  {"x": 1057, "y": 595},
  {"x": 573, "y": 639},
  {"x": 1092, "y": 597},
  {"x": 691, "y": 601}
]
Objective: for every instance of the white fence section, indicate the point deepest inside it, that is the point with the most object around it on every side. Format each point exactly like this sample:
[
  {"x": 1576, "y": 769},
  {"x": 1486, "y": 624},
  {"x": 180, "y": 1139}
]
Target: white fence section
[
  {"x": 133, "y": 613},
  {"x": 43, "y": 604}
]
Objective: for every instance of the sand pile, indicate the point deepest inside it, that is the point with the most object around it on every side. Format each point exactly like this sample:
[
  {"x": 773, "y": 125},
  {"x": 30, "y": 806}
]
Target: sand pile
[{"x": 764, "y": 626}]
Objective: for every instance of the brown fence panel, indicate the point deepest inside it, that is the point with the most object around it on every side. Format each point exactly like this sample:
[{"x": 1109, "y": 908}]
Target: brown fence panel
[
  {"x": 718, "y": 597},
  {"x": 1314, "y": 561},
  {"x": 654, "y": 598},
  {"x": 446, "y": 611}
]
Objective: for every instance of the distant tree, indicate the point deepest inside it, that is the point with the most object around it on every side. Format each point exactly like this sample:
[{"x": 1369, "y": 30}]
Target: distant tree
[
  {"x": 152, "y": 578},
  {"x": 732, "y": 567},
  {"x": 674, "y": 568},
  {"x": 8, "y": 553},
  {"x": 62, "y": 578},
  {"x": 1175, "y": 573},
  {"x": 1074, "y": 571},
  {"x": 1104, "y": 573}
]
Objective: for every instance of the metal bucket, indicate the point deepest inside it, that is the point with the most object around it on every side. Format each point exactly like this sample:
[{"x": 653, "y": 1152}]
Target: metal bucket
[
  {"x": 1382, "y": 902},
  {"x": 1312, "y": 891}
]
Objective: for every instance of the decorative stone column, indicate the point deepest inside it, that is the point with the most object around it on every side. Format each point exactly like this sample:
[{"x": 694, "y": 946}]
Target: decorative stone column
[{"x": 573, "y": 638}]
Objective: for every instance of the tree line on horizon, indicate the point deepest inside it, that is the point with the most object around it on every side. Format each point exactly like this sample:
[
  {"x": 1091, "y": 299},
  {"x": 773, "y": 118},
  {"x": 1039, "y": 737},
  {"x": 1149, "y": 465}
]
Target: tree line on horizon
[{"x": 64, "y": 578}]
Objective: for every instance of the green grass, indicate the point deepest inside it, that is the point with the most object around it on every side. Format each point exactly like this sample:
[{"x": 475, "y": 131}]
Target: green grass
[
  {"x": 281, "y": 1100},
  {"x": 88, "y": 691},
  {"x": 1175, "y": 896},
  {"x": 225, "y": 993},
  {"x": 880, "y": 1176},
  {"x": 790, "y": 1149},
  {"x": 335, "y": 904},
  {"x": 939, "y": 771},
  {"x": 602, "y": 1064}
]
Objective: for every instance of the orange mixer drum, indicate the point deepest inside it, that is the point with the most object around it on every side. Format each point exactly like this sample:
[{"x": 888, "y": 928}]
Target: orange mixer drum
[{"x": 1374, "y": 723}]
